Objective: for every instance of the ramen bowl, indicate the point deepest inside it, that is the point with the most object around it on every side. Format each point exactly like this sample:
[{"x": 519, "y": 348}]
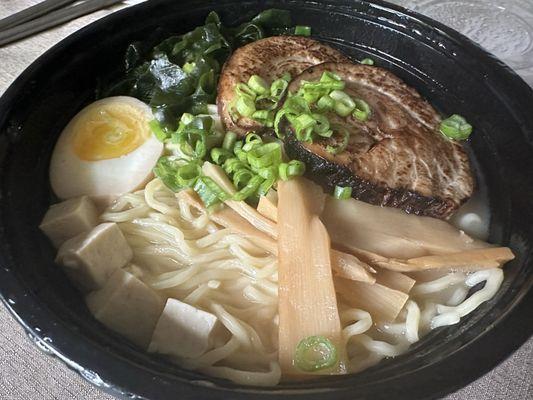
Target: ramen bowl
[{"x": 450, "y": 71}]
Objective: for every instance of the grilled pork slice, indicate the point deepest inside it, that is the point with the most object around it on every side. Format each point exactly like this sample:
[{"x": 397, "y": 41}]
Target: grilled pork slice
[
  {"x": 269, "y": 58},
  {"x": 398, "y": 157}
]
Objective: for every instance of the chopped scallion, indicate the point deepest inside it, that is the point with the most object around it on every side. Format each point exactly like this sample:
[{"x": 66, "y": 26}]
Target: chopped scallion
[
  {"x": 302, "y": 30},
  {"x": 159, "y": 133},
  {"x": 250, "y": 188},
  {"x": 339, "y": 148},
  {"x": 219, "y": 156},
  {"x": 243, "y": 90},
  {"x": 344, "y": 104},
  {"x": 258, "y": 84},
  {"x": 188, "y": 67},
  {"x": 278, "y": 87},
  {"x": 367, "y": 61},
  {"x": 187, "y": 118},
  {"x": 315, "y": 353},
  {"x": 362, "y": 110},
  {"x": 342, "y": 193},
  {"x": 456, "y": 127},
  {"x": 325, "y": 103},
  {"x": 245, "y": 106},
  {"x": 209, "y": 191},
  {"x": 229, "y": 140}
]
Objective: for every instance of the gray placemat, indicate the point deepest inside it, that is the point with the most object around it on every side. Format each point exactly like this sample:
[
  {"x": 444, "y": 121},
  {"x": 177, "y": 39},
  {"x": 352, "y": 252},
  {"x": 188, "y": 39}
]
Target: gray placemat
[{"x": 28, "y": 374}]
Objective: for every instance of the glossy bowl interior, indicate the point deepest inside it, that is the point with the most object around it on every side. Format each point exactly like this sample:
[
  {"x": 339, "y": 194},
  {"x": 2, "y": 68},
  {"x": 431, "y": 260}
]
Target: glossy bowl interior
[{"x": 454, "y": 74}]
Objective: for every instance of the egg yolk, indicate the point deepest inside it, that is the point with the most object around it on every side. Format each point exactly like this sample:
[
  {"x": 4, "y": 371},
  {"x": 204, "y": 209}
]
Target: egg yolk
[{"x": 110, "y": 132}]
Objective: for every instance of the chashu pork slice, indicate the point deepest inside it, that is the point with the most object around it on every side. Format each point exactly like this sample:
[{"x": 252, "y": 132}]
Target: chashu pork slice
[
  {"x": 398, "y": 157},
  {"x": 269, "y": 58}
]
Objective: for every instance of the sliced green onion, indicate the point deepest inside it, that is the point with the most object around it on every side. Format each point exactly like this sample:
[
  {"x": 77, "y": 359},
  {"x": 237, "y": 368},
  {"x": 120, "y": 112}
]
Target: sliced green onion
[
  {"x": 296, "y": 168},
  {"x": 192, "y": 142},
  {"x": 456, "y": 127},
  {"x": 188, "y": 67},
  {"x": 268, "y": 172},
  {"x": 214, "y": 139},
  {"x": 258, "y": 84},
  {"x": 266, "y": 103},
  {"x": 325, "y": 103},
  {"x": 204, "y": 122},
  {"x": 278, "y": 87},
  {"x": 219, "y": 156},
  {"x": 265, "y": 186},
  {"x": 262, "y": 115},
  {"x": 315, "y": 353},
  {"x": 209, "y": 191},
  {"x": 277, "y": 121},
  {"x": 344, "y": 104},
  {"x": 304, "y": 121},
  {"x": 165, "y": 170},
  {"x": 296, "y": 105},
  {"x": 367, "y": 61},
  {"x": 245, "y": 106},
  {"x": 229, "y": 140},
  {"x": 342, "y": 193},
  {"x": 187, "y": 175},
  {"x": 265, "y": 155},
  {"x": 187, "y": 118},
  {"x": 241, "y": 154},
  {"x": 342, "y": 109},
  {"x": 250, "y": 188},
  {"x": 241, "y": 177},
  {"x": 344, "y": 140},
  {"x": 328, "y": 76},
  {"x": 251, "y": 140},
  {"x": 362, "y": 110},
  {"x": 302, "y": 30},
  {"x": 243, "y": 90},
  {"x": 158, "y": 132},
  {"x": 305, "y": 135},
  {"x": 291, "y": 169},
  {"x": 321, "y": 126},
  {"x": 232, "y": 165},
  {"x": 283, "y": 171}
]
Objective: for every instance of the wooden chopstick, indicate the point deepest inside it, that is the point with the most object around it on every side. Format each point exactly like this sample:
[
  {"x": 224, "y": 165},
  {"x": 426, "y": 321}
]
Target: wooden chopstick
[
  {"x": 52, "y": 19},
  {"x": 32, "y": 12}
]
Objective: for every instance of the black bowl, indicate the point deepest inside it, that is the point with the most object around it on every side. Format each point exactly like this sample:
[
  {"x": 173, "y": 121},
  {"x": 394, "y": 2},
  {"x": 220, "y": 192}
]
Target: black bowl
[{"x": 448, "y": 69}]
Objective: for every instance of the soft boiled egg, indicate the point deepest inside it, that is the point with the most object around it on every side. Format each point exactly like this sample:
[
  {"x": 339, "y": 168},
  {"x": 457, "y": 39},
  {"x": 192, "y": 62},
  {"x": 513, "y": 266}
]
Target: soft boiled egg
[{"x": 106, "y": 150}]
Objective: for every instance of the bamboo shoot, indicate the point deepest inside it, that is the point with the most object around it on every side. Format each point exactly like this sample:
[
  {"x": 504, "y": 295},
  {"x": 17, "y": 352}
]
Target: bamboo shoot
[
  {"x": 267, "y": 208},
  {"x": 390, "y": 232},
  {"x": 466, "y": 261},
  {"x": 383, "y": 303},
  {"x": 307, "y": 300},
  {"x": 470, "y": 260},
  {"x": 395, "y": 280}
]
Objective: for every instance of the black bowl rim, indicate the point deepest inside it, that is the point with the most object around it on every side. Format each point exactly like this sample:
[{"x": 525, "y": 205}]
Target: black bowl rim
[{"x": 504, "y": 337}]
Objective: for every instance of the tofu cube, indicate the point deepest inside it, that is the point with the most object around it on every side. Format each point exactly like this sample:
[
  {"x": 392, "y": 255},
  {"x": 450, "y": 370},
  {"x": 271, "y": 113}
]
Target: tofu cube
[
  {"x": 127, "y": 306},
  {"x": 91, "y": 257},
  {"x": 69, "y": 218},
  {"x": 183, "y": 330}
]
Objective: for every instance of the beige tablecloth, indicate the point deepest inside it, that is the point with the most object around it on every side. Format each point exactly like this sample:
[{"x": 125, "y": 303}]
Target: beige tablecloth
[{"x": 28, "y": 374}]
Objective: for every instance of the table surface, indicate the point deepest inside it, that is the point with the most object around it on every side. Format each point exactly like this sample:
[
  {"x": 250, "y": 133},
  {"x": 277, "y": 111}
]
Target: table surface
[{"x": 28, "y": 374}]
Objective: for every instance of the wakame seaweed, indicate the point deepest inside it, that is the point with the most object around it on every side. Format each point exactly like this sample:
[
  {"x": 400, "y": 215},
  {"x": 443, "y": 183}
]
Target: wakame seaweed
[{"x": 180, "y": 74}]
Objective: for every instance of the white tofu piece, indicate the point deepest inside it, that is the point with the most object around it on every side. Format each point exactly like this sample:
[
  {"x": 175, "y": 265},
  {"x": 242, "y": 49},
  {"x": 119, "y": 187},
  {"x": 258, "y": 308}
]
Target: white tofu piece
[
  {"x": 69, "y": 218},
  {"x": 183, "y": 330},
  {"x": 91, "y": 257},
  {"x": 127, "y": 306}
]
